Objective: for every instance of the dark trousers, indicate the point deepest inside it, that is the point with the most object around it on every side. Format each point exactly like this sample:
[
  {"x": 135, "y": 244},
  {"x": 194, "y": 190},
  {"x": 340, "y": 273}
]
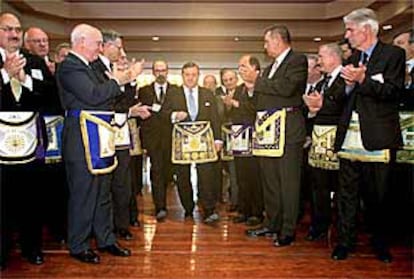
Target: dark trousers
[
  {"x": 281, "y": 188},
  {"x": 121, "y": 190},
  {"x": 55, "y": 202},
  {"x": 206, "y": 187},
  {"x": 371, "y": 180},
  {"x": 250, "y": 201},
  {"x": 21, "y": 207},
  {"x": 323, "y": 183},
  {"x": 160, "y": 177},
  {"x": 135, "y": 166},
  {"x": 89, "y": 207}
]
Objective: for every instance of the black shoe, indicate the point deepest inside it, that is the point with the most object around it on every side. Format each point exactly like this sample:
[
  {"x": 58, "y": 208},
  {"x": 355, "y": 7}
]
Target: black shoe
[
  {"x": 315, "y": 236},
  {"x": 161, "y": 215},
  {"x": 262, "y": 231},
  {"x": 381, "y": 251},
  {"x": 135, "y": 223},
  {"x": 240, "y": 219},
  {"x": 188, "y": 215},
  {"x": 34, "y": 257},
  {"x": 253, "y": 221},
  {"x": 87, "y": 256},
  {"x": 116, "y": 250},
  {"x": 283, "y": 241},
  {"x": 340, "y": 253},
  {"x": 125, "y": 234}
]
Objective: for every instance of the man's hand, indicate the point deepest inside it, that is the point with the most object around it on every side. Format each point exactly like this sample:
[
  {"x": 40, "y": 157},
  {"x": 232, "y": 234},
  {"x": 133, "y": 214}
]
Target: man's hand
[
  {"x": 14, "y": 64},
  {"x": 139, "y": 110},
  {"x": 248, "y": 73},
  {"x": 180, "y": 115},
  {"x": 51, "y": 66},
  {"x": 353, "y": 74},
  {"x": 313, "y": 101},
  {"x": 129, "y": 75},
  {"x": 218, "y": 146}
]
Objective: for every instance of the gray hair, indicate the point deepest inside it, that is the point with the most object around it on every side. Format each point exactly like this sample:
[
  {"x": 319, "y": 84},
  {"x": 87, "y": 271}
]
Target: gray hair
[
  {"x": 363, "y": 17},
  {"x": 333, "y": 49},
  {"x": 109, "y": 35}
]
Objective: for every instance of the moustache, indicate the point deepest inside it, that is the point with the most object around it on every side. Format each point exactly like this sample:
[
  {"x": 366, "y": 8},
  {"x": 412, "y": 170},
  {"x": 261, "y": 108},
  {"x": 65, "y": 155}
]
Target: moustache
[{"x": 14, "y": 39}]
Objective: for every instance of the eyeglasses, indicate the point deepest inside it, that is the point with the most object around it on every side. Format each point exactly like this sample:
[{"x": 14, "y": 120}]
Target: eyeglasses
[
  {"x": 11, "y": 28},
  {"x": 38, "y": 41}
]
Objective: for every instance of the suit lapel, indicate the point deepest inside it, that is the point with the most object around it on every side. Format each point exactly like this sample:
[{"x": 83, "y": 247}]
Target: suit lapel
[{"x": 375, "y": 56}]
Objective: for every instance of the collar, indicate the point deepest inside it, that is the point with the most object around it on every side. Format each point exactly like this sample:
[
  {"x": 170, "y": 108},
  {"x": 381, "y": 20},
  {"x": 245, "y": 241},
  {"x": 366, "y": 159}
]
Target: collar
[
  {"x": 106, "y": 62},
  {"x": 370, "y": 50},
  {"x": 282, "y": 56},
  {"x": 334, "y": 74},
  {"x": 187, "y": 90},
  {"x": 410, "y": 64},
  {"x": 80, "y": 57},
  {"x": 3, "y": 53}
]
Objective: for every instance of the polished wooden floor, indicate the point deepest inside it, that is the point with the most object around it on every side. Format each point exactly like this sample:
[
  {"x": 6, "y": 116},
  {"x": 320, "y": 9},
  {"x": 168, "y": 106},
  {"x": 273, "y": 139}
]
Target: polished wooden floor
[{"x": 190, "y": 249}]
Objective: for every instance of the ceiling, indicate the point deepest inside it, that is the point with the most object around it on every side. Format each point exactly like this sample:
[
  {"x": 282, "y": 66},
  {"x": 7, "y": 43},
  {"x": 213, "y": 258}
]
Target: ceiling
[{"x": 213, "y": 28}]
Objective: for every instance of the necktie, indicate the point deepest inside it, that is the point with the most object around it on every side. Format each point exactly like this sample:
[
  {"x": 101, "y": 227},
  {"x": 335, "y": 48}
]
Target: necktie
[
  {"x": 192, "y": 105},
  {"x": 272, "y": 70},
  {"x": 325, "y": 83},
  {"x": 16, "y": 88},
  {"x": 161, "y": 96},
  {"x": 364, "y": 59}
]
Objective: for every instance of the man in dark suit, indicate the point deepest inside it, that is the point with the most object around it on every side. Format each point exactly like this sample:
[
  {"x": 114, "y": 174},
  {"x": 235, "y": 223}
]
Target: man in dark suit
[
  {"x": 280, "y": 88},
  {"x": 24, "y": 89},
  {"x": 156, "y": 136},
  {"x": 242, "y": 111},
  {"x": 180, "y": 107},
  {"x": 80, "y": 88},
  {"x": 36, "y": 41},
  {"x": 325, "y": 106},
  {"x": 121, "y": 190},
  {"x": 374, "y": 80}
]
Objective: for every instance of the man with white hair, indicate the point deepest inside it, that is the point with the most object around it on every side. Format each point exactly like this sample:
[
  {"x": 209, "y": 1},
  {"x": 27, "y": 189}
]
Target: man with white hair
[
  {"x": 368, "y": 132},
  {"x": 81, "y": 92}
]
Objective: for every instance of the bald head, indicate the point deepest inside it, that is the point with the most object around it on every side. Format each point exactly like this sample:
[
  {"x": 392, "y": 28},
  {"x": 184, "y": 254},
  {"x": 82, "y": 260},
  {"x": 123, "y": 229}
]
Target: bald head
[
  {"x": 10, "y": 32},
  {"x": 86, "y": 41},
  {"x": 36, "y": 41}
]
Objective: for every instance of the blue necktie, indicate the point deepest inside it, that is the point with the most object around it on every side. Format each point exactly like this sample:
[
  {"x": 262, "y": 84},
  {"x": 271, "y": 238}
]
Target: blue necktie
[{"x": 192, "y": 105}]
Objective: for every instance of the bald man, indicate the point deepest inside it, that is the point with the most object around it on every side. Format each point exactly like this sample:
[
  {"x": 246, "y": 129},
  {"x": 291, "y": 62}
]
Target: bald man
[{"x": 89, "y": 209}]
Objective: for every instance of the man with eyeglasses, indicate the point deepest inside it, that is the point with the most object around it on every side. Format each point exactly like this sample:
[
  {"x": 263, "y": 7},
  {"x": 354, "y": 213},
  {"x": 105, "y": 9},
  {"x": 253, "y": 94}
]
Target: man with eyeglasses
[
  {"x": 156, "y": 136},
  {"x": 36, "y": 42},
  {"x": 23, "y": 92}
]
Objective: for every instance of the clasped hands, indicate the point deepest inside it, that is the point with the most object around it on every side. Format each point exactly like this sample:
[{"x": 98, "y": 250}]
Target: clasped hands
[
  {"x": 126, "y": 75},
  {"x": 352, "y": 74},
  {"x": 14, "y": 65}
]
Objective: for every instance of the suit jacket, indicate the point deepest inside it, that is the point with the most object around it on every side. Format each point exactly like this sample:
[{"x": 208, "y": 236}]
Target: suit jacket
[
  {"x": 376, "y": 102},
  {"x": 126, "y": 97},
  {"x": 80, "y": 88},
  {"x": 246, "y": 112},
  {"x": 334, "y": 99},
  {"x": 156, "y": 130},
  {"x": 34, "y": 100},
  {"x": 207, "y": 108},
  {"x": 285, "y": 89}
]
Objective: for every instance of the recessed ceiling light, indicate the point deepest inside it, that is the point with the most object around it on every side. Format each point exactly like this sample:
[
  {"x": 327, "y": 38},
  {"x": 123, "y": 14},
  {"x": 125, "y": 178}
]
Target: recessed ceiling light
[
  {"x": 236, "y": 39},
  {"x": 317, "y": 39},
  {"x": 155, "y": 38},
  {"x": 387, "y": 27}
]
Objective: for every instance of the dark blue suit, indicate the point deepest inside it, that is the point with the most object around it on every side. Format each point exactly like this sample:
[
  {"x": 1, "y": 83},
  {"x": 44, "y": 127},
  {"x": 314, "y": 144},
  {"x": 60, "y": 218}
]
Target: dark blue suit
[{"x": 89, "y": 208}]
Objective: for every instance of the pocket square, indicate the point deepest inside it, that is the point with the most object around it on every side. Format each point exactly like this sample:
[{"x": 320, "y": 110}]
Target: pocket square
[{"x": 378, "y": 77}]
